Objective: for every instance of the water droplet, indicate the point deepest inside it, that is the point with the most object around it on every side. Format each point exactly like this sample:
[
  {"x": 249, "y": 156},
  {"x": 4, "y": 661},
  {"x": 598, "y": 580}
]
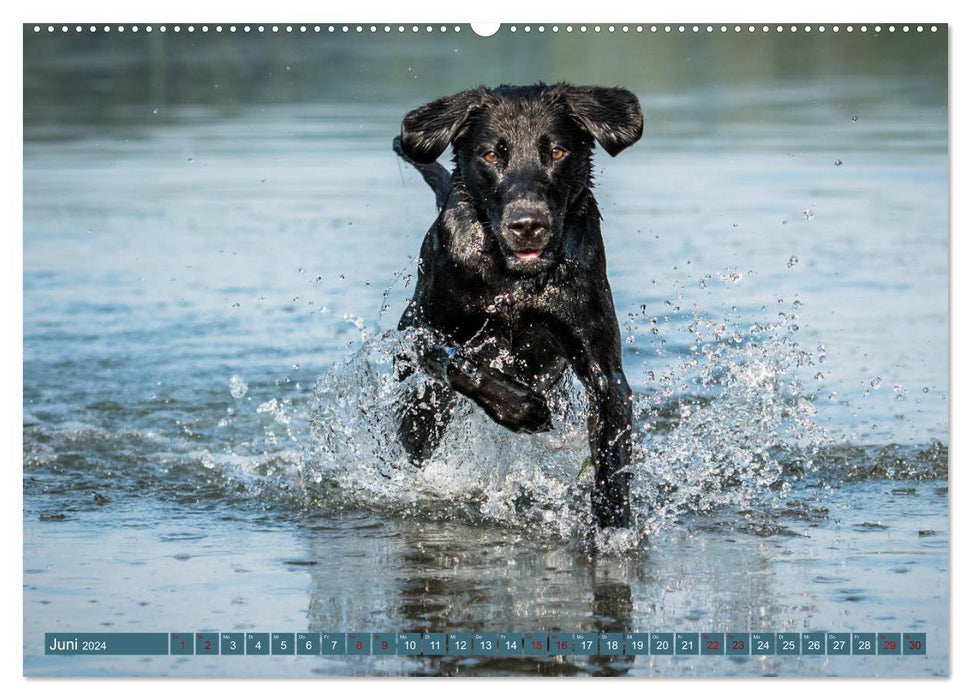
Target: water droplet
[
  {"x": 793, "y": 261},
  {"x": 155, "y": 111},
  {"x": 876, "y": 382},
  {"x": 809, "y": 214},
  {"x": 838, "y": 163},
  {"x": 926, "y": 389},
  {"x": 855, "y": 118},
  {"x": 237, "y": 387}
]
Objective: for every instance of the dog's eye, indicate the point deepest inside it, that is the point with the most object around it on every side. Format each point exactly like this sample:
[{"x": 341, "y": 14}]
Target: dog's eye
[
  {"x": 490, "y": 157},
  {"x": 557, "y": 153}
]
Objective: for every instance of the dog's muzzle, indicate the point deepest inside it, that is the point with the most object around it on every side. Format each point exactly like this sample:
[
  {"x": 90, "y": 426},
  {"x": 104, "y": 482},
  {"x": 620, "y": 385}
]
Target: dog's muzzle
[{"x": 527, "y": 231}]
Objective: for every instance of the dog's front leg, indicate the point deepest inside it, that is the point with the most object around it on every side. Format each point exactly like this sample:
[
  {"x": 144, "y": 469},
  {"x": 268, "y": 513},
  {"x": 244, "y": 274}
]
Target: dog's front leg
[
  {"x": 505, "y": 399},
  {"x": 609, "y": 425},
  {"x": 427, "y": 412}
]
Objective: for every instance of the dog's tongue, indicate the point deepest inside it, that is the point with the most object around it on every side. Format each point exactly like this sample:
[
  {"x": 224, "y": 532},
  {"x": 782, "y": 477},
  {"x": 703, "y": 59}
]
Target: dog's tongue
[{"x": 528, "y": 254}]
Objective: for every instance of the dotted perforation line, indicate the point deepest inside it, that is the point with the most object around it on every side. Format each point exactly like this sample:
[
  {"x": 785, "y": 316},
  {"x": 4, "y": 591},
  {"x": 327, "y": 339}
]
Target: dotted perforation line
[
  {"x": 728, "y": 28},
  {"x": 257, "y": 28},
  {"x": 441, "y": 29}
]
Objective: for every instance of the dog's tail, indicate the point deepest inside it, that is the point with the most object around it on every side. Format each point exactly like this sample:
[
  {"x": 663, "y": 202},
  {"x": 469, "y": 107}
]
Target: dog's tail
[{"x": 434, "y": 174}]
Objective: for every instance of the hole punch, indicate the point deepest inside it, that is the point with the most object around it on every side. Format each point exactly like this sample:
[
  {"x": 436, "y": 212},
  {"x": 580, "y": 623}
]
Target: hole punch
[{"x": 485, "y": 29}]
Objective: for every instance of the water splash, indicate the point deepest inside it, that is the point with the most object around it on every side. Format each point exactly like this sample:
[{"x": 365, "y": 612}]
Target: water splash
[
  {"x": 741, "y": 420},
  {"x": 237, "y": 387},
  {"x": 720, "y": 428}
]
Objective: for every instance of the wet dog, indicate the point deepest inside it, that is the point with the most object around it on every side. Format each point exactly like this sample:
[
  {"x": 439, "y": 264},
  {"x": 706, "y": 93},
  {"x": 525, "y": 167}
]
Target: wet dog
[{"x": 512, "y": 286}]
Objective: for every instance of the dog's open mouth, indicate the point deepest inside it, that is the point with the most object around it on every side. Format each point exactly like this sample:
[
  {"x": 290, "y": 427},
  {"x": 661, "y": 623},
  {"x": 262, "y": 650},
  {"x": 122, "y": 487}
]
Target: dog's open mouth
[{"x": 528, "y": 254}]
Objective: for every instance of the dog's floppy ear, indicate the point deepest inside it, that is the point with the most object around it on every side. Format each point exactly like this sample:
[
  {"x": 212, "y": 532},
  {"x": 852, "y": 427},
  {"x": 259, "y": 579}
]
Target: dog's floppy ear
[
  {"x": 427, "y": 131},
  {"x": 612, "y": 115}
]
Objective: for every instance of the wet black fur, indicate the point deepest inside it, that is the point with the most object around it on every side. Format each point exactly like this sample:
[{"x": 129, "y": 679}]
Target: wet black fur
[{"x": 497, "y": 320}]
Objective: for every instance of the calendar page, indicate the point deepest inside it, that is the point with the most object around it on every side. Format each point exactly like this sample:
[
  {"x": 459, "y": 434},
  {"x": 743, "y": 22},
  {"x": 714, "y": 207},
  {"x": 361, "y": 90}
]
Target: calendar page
[{"x": 524, "y": 349}]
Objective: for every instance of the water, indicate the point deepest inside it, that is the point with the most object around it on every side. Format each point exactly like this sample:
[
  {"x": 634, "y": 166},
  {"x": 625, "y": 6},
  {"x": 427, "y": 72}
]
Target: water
[{"x": 212, "y": 269}]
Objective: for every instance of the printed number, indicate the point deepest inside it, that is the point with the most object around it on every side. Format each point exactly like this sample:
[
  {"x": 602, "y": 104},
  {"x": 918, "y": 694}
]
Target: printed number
[
  {"x": 232, "y": 645},
  {"x": 814, "y": 645},
  {"x": 586, "y": 644},
  {"x": 182, "y": 644},
  {"x": 838, "y": 644},
  {"x": 662, "y": 645},
  {"x": 738, "y": 645},
  {"x": 562, "y": 645},
  {"x": 259, "y": 645},
  {"x": 914, "y": 644},
  {"x": 487, "y": 644},
  {"x": 637, "y": 644},
  {"x": 434, "y": 644},
  {"x": 333, "y": 644},
  {"x": 208, "y": 646},
  {"x": 864, "y": 645},
  {"x": 462, "y": 645},
  {"x": 712, "y": 645},
  {"x": 359, "y": 646},
  {"x": 309, "y": 645},
  {"x": 762, "y": 645},
  {"x": 384, "y": 646},
  {"x": 788, "y": 645},
  {"x": 411, "y": 645},
  {"x": 687, "y": 645},
  {"x": 538, "y": 645},
  {"x": 890, "y": 645},
  {"x": 613, "y": 645},
  {"x": 283, "y": 645}
]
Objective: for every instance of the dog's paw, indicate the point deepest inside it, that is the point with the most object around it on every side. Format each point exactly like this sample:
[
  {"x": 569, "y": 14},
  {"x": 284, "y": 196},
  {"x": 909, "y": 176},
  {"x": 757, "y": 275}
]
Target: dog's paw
[
  {"x": 535, "y": 415},
  {"x": 526, "y": 412}
]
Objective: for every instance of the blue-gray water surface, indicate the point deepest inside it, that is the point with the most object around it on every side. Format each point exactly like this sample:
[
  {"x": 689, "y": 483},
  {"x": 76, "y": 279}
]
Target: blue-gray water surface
[{"x": 218, "y": 242}]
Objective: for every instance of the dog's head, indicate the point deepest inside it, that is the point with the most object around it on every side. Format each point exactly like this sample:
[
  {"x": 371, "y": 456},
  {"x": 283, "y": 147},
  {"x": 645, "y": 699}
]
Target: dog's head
[{"x": 523, "y": 155}]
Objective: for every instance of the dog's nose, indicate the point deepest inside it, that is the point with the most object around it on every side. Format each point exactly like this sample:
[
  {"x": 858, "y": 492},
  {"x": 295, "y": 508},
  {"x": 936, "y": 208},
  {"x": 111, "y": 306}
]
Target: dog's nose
[{"x": 527, "y": 224}]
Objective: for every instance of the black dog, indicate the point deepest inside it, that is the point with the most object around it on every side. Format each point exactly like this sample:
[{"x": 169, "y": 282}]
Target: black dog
[{"x": 512, "y": 284}]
